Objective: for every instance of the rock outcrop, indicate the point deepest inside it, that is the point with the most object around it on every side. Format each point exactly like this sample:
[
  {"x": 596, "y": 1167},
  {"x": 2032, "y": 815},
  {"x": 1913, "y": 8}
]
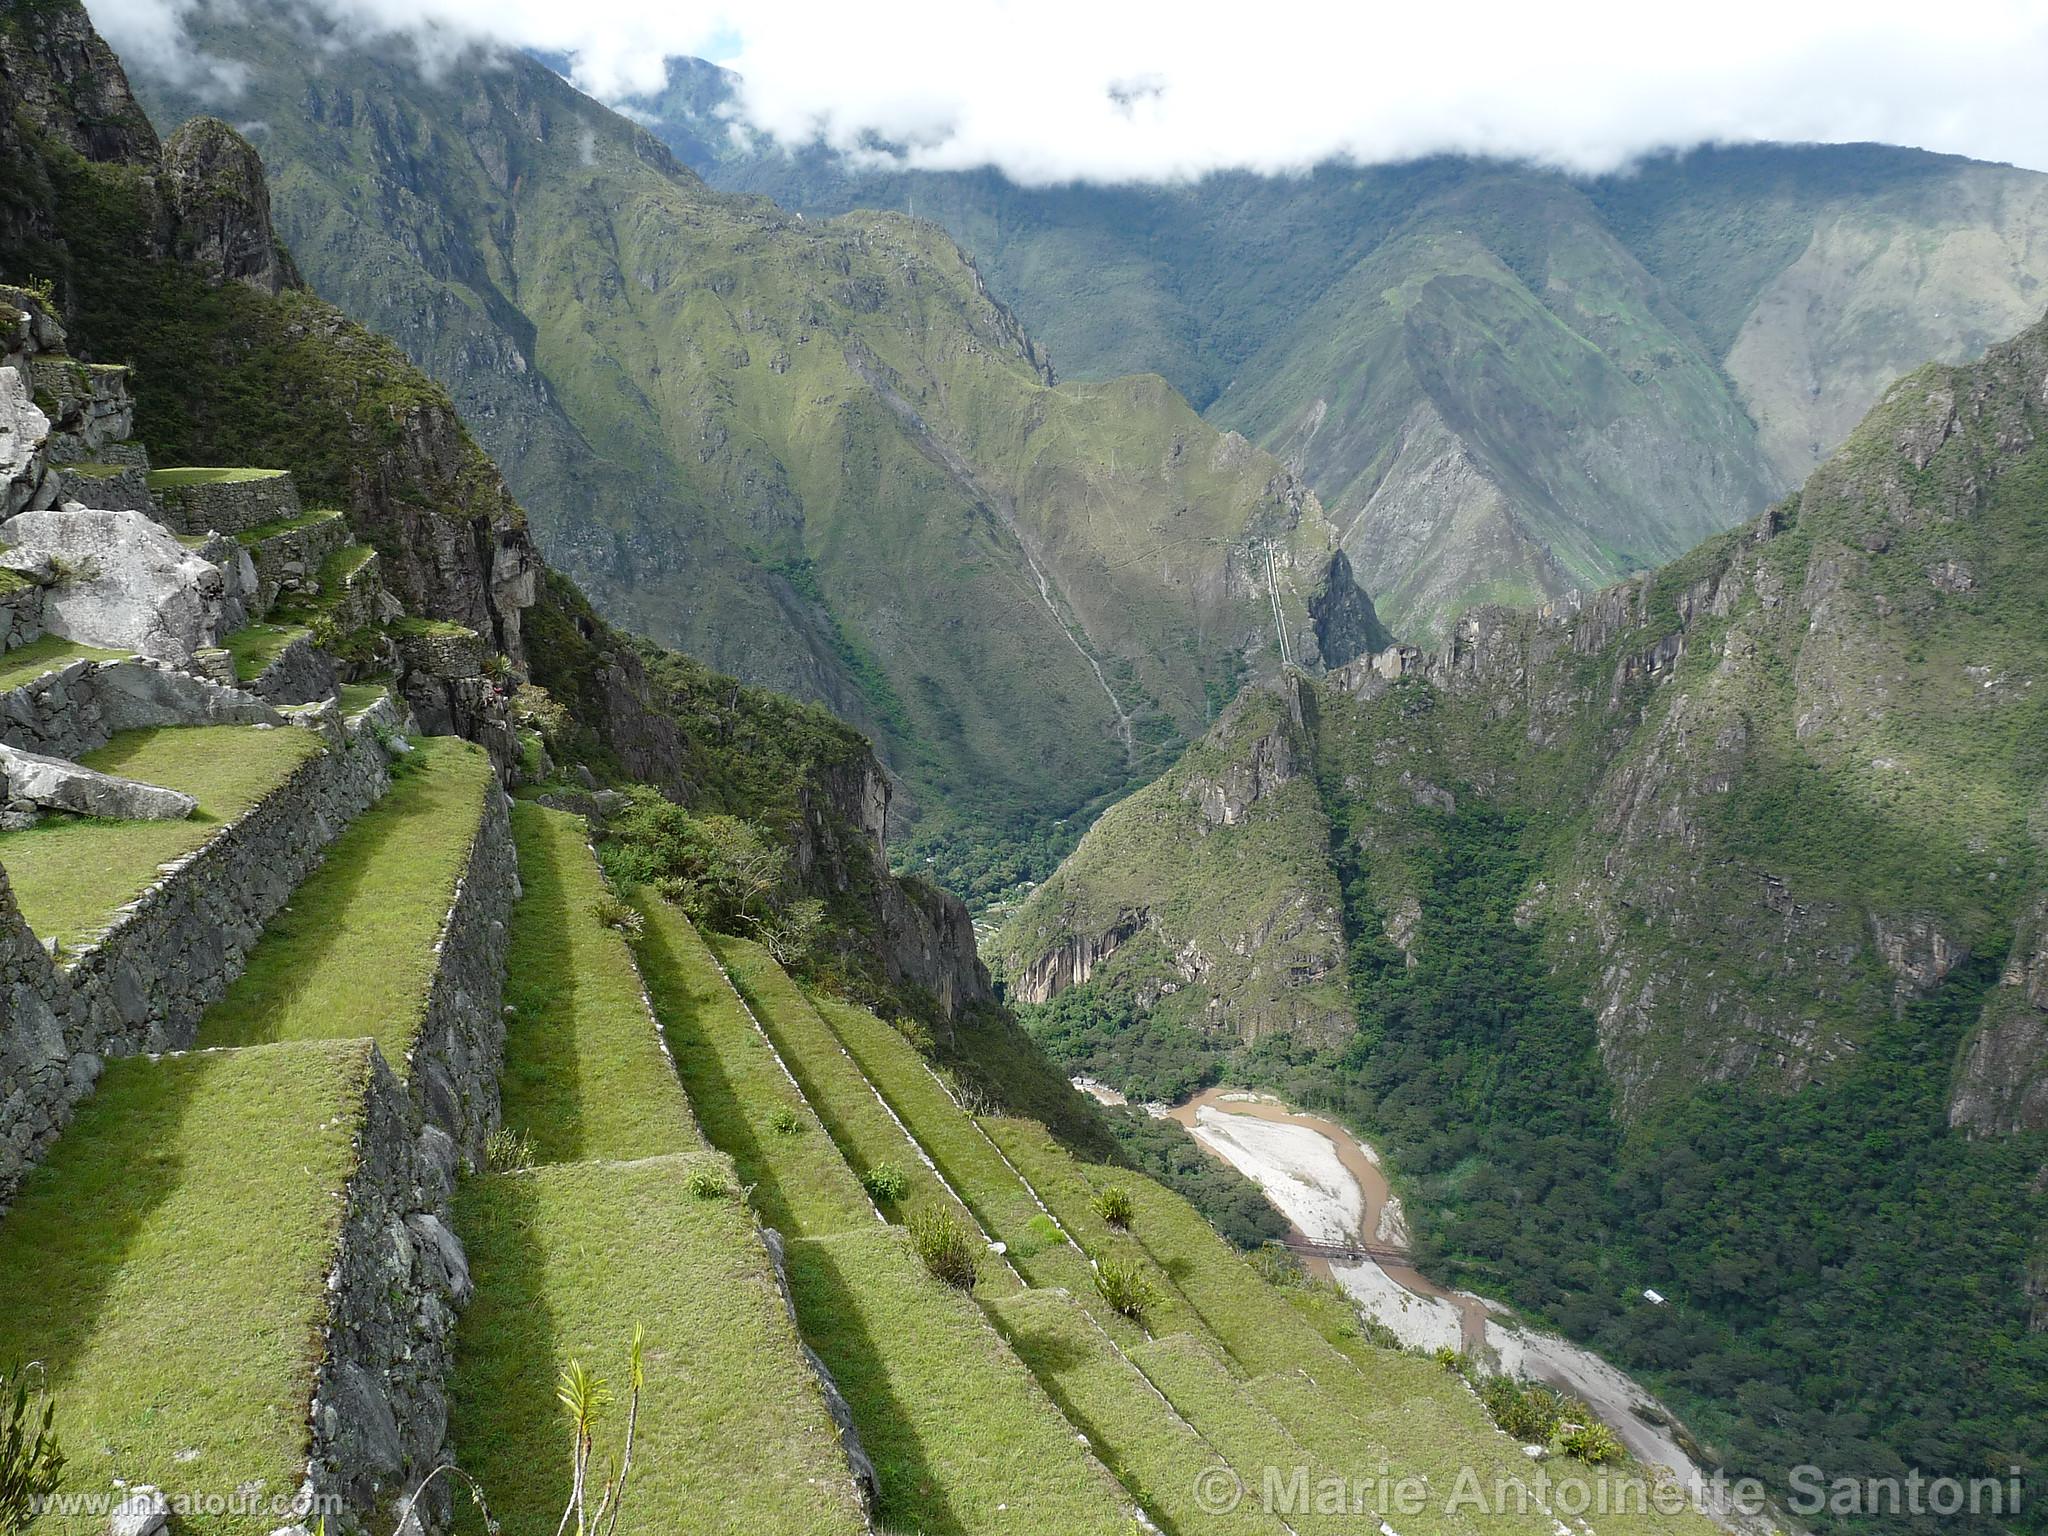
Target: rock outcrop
[
  {"x": 220, "y": 204},
  {"x": 25, "y": 481},
  {"x": 2002, "y": 1087},
  {"x": 30, "y": 784},
  {"x": 121, "y": 581}
]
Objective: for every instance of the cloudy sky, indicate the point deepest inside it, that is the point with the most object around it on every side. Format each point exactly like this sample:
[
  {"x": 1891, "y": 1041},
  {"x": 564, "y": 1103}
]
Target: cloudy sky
[{"x": 1053, "y": 90}]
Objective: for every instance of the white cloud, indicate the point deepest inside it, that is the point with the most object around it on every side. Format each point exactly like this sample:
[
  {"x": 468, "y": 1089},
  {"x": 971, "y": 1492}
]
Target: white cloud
[{"x": 1051, "y": 90}]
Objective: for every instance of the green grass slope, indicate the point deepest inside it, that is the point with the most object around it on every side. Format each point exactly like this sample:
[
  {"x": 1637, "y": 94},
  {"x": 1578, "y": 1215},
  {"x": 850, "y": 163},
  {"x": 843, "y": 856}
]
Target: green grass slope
[
  {"x": 568, "y": 1260},
  {"x": 72, "y": 874},
  {"x": 355, "y": 951},
  {"x": 585, "y": 1077},
  {"x": 168, "y": 1266},
  {"x": 961, "y": 1435},
  {"x": 623, "y": 1220}
]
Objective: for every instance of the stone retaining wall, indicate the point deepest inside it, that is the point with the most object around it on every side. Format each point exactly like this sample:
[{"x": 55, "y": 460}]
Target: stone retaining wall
[
  {"x": 34, "y": 1058},
  {"x": 300, "y": 673},
  {"x": 125, "y": 489},
  {"x": 21, "y": 613},
  {"x": 355, "y": 607},
  {"x": 74, "y": 708},
  {"x": 444, "y": 651},
  {"x": 285, "y": 560},
  {"x": 379, "y": 1415},
  {"x": 227, "y": 506},
  {"x": 173, "y": 951},
  {"x": 452, "y": 1068}
]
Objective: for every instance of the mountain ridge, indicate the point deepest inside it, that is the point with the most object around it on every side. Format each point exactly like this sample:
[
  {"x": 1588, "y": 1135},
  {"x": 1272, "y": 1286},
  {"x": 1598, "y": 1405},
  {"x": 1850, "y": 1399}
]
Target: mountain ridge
[
  {"x": 1689, "y": 935},
  {"x": 820, "y": 454},
  {"x": 1752, "y": 302}
]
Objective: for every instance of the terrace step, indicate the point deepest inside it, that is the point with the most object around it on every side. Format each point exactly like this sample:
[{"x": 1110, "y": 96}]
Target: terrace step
[
  {"x": 169, "y": 1267},
  {"x": 1379, "y": 1397},
  {"x": 587, "y": 1075},
  {"x": 106, "y": 485},
  {"x": 737, "y": 1436},
  {"x": 1156, "y": 1451},
  {"x": 360, "y": 949},
  {"x": 858, "y": 1118},
  {"x": 289, "y": 552},
  {"x": 1050, "y": 1248},
  {"x": 199, "y": 501},
  {"x": 567, "y": 1259},
  {"x": 1191, "y": 1374},
  {"x": 961, "y": 1434},
  {"x": 739, "y": 1086},
  {"x": 280, "y": 662}
]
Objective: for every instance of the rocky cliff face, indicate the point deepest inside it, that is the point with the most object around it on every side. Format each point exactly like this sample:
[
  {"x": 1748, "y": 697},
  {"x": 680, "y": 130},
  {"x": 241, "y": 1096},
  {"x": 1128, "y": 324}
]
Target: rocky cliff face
[
  {"x": 1781, "y": 780},
  {"x": 1207, "y": 894},
  {"x": 220, "y": 207},
  {"x": 709, "y": 742},
  {"x": 2003, "y": 1084}
]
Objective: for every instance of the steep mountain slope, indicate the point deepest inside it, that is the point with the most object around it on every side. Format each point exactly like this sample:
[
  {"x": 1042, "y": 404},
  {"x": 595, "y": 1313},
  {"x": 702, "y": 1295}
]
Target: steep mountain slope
[
  {"x": 1638, "y": 359},
  {"x": 818, "y": 455},
  {"x": 235, "y": 362},
  {"x": 1694, "y": 938}
]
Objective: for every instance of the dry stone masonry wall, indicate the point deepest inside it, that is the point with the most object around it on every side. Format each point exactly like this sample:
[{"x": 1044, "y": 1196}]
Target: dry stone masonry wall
[
  {"x": 75, "y": 708},
  {"x": 226, "y": 506},
  {"x": 453, "y": 1066},
  {"x": 173, "y": 951},
  {"x": 379, "y": 1417}
]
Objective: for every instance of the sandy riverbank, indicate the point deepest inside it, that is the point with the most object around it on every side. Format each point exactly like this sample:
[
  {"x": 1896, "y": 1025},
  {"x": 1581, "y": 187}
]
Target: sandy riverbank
[{"x": 1331, "y": 1188}]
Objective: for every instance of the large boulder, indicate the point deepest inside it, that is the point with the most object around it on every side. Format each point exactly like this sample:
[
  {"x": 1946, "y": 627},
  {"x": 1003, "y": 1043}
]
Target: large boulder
[
  {"x": 32, "y": 782},
  {"x": 124, "y": 582},
  {"x": 23, "y": 431}
]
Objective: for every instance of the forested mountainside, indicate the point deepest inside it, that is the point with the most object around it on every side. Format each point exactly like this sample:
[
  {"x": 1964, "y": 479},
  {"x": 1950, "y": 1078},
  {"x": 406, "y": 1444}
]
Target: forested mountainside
[
  {"x": 1504, "y": 383},
  {"x": 819, "y": 455},
  {"x": 1687, "y": 936}
]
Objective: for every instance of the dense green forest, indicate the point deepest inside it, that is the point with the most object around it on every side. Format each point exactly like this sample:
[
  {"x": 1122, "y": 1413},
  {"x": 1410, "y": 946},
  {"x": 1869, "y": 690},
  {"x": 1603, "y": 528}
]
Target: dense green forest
[{"x": 1847, "y": 1274}]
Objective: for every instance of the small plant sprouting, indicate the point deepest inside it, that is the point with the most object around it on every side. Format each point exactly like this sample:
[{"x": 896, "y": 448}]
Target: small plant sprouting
[
  {"x": 1592, "y": 1442},
  {"x": 614, "y": 912},
  {"x": 30, "y": 1461},
  {"x": 945, "y": 1246},
  {"x": 886, "y": 1183},
  {"x": 508, "y": 1151},
  {"x": 707, "y": 1182},
  {"x": 585, "y": 1399},
  {"x": 1114, "y": 1205},
  {"x": 784, "y": 1121},
  {"x": 1449, "y": 1358},
  {"x": 1121, "y": 1279}
]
